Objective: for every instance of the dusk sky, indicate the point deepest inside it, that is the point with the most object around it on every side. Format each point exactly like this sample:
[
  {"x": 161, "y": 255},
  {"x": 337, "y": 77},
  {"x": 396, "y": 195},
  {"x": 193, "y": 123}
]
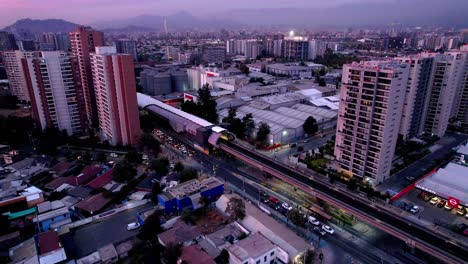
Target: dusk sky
[{"x": 90, "y": 11}]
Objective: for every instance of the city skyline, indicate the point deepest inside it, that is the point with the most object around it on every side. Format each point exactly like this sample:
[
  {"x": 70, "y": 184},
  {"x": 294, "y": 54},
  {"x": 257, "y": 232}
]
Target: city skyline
[{"x": 92, "y": 12}]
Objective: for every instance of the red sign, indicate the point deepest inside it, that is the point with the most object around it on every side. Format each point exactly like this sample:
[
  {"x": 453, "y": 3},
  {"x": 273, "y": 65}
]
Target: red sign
[
  {"x": 453, "y": 202},
  {"x": 188, "y": 97}
]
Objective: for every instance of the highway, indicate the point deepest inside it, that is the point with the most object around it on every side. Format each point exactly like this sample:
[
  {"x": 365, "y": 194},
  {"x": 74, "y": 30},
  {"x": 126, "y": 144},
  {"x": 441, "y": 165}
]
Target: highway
[{"x": 440, "y": 246}]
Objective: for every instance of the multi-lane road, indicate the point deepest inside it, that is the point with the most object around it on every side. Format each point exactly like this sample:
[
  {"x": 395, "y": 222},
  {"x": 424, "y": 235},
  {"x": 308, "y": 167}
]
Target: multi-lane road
[{"x": 438, "y": 245}]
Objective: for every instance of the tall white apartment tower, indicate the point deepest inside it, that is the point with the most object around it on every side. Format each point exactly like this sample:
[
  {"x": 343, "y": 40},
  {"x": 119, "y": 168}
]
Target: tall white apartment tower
[
  {"x": 15, "y": 72},
  {"x": 371, "y": 106}
]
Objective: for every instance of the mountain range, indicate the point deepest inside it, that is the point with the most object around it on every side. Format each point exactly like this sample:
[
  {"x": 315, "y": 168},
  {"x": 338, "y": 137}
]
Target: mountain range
[{"x": 36, "y": 26}]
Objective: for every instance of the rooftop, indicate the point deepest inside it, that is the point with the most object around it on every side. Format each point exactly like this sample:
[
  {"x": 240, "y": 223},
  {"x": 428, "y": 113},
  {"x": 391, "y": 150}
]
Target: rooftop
[
  {"x": 25, "y": 252},
  {"x": 48, "y": 241},
  {"x": 192, "y": 187},
  {"x": 195, "y": 255},
  {"x": 179, "y": 233},
  {"x": 93, "y": 204},
  {"x": 101, "y": 180},
  {"x": 253, "y": 246},
  {"x": 451, "y": 181},
  {"x": 107, "y": 253}
]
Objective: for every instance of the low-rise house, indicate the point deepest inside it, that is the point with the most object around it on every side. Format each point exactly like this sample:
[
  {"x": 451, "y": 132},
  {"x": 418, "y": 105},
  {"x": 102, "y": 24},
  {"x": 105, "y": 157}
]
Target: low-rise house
[
  {"x": 194, "y": 254},
  {"x": 108, "y": 254},
  {"x": 180, "y": 233},
  {"x": 256, "y": 249},
  {"x": 24, "y": 253},
  {"x": 50, "y": 248},
  {"x": 92, "y": 205}
]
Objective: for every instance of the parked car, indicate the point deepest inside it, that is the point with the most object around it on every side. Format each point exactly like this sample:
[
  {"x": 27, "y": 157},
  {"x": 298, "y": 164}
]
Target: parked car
[
  {"x": 319, "y": 231},
  {"x": 415, "y": 209},
  {"x": 427, "y": 198},
  {"x": 441, "y": 204},
  {"x": 287, "y": 206},
  {"x": 133, "y": 226},
  {"x": 402, "y": 205},
  {"x": 447, "y": 207},
  {"x": 409, "y": 206},
  {"x": 461, "y": 210},
  {"x": 434, "y": 201},
  {"x": 114, "y": 155},
  {"x": 328, "y": 229},
  {"x": 313, "y": 221}
]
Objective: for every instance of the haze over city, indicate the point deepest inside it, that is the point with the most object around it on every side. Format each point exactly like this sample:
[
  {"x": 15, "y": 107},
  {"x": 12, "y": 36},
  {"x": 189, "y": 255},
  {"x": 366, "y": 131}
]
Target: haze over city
[{"x": 233, "y": 132}]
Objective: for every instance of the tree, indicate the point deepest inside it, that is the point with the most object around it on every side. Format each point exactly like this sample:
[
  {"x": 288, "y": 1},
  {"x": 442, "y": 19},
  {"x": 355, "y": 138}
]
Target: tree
[
  {"x": 297, "y": 218},
  {"x": 207, "y": 104},
  {"x": 148, "y": 141},
  {"x": 223, "y": 257},
  {"x": 86, "y": 157},
  {"x": 151, "y": 228},
  {"x": 133, "y": 157},
  {"x": 232, "y": 113},
  {"x": 236, "y": 208},
  {"x": 190, "y": 107},
  {"x": 321, "y": 82},
  {"x": 310, "y": 126},
  {"x": 155, "y": 191},
  {"x": 101, "y": 157},
  {"x": 262, "y": 133},
  {"x": 244, "y": 69},
  {"x": 249, "y": 123},
  {"x": 160, "y": 165},
  {"x": 188, "y": 174},
  {"x": 186, "y": 215},
  {"x": 178, "y": 167},
  {"x": 205, "y": 203},
  {"x": 172, "y": 253},
  {"x": 123, "y": 171},
  {"x": 352, "y": 184}
]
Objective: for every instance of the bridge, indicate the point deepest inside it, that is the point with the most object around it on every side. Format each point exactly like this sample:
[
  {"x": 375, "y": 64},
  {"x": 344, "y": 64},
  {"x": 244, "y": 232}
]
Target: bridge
[{"x": 377, "y": 214}]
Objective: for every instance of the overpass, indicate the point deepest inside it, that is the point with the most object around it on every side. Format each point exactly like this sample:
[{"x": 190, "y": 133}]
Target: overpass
[{"x": 379, "y": 215}]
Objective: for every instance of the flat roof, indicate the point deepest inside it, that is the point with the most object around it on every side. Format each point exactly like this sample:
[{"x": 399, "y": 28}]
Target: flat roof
[
  {"x": 252, "y": 246},
  {"x": 48, "y": 241},
  {"x": 449, "y": 181},
  {"x": 193, "y": 186}
]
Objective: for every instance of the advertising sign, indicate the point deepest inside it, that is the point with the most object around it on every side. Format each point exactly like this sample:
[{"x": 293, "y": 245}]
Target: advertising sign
[{"x": 453, "y": 202}]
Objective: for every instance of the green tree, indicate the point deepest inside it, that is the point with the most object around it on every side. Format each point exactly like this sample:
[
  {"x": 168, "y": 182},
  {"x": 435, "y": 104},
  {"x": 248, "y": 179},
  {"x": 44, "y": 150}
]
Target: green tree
[
  {"x": 207, "y": 104},
  {"x": 188, "y": 174},
  {"x": 151, "y": 228},
  {"x": 223, "y": 257},
  {"x": 352, "y": 184},
  {"x": 248, "y": 123},
  {"x": 123, "y": 171},
  {"x": 151, "y": 143},
  {"x": 155, "y": 191},
  {"x": 160, "y": 165},
  {"x": 172, "y": 253},
  {"x": 244, "y": 69},
  {"x": 263, "y": 132},
  {"x": 133, "y": 157},
  {"x": 236, "y": 208},
  {"x": 178, "y": 167},
  {"x": 101, "y": 157},
  {"x": 205, "y": 203},
  {"x": 186, "y": 215},
  {"x": 232, "y": 113},
  {"x": 190, "y": 107},
  {"x": 297, "y": 218},
  {"x": 86, "y": 157},
  {"x": 310, "y": 126}
]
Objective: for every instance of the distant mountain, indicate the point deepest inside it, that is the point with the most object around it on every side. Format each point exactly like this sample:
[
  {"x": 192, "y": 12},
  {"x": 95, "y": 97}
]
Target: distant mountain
[
  {"x": 37, "y": 26},
  {"x": 449, "y": 13},
  {"x": 177, "y": 22}
]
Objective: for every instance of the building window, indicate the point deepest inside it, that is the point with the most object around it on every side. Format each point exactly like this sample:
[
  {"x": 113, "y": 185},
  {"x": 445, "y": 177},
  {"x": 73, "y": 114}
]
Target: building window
[
  {"x": 264, "y": 259},
  {"x": 272, "y": 253},
  {"x": 258, "y": 262}
]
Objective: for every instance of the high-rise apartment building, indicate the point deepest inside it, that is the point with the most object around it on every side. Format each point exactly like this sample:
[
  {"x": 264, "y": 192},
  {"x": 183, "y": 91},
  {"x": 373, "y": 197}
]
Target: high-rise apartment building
[
  {"x": 213, "y": 53},
  {"x": 417, "y": 89},
  {"x": 83, "y": 42},
  {"x": 53, "y": 83},
  {"x": 16, "y": 72},
  {"x": 114, "y": 82},
  {"x": 295, "y": 48},
  {"x": 372, "y": 98},
  {"x": 127, "y": 46},
  {"x": 7, "y": 41},
  {"x": 462, "y": 104},
  {"x": 62, "y": 41},
  {"x": 445, "y": 85}
]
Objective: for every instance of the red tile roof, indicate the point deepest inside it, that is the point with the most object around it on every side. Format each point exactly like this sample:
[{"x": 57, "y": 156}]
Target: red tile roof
[
  {"x": 101, "y": 180},
  {"x": 87, "y": 174},
  {"x": 48, "y": 241},
  {"x": 55, "y": 183},
  {"x": 195, "y": 255},
  {"x": 93, "y": 204},
  {"x": 61, "y": 167}
]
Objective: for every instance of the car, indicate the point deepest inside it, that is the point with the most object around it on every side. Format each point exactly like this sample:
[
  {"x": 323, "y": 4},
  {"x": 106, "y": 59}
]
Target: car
[
  {"x": 441, "y": 204},
  {"x": 402, "y": 205},
  {"x": 409, "y": 206},
  {"x": 447, "y": 207},
  {"x": 427, "y": 198},
  {"x": 410, "y": 179},
  {"x": 287, "y": 206},
  {"x": 466, "y": 216},
  {"x": 328, "y": 229},
  {"x": 434, "y": 201},
  {"x": 132, "y": 226},
  {"x": 114, "y": 155},
  {"x": 319, "y": 231},
  {"x": 415, "y": 209},
  {"x": 461, "y": 210},
  {"x": 313, "y": 220},
  {"x": 144, "y": 157}
]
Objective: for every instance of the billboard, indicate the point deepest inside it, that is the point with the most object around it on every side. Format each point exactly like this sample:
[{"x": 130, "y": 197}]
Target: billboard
[{"x": 453, "y": 202}]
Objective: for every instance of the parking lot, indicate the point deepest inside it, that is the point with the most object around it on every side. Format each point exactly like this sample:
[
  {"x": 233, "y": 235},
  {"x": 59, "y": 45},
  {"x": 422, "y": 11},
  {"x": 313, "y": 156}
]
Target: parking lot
[{"x": 434, "y": 213}]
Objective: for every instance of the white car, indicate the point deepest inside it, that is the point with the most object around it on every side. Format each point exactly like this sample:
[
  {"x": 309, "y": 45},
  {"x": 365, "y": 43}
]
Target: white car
[
  {"x": 287, "y": 206},
  {"x": 313, "y": 221},
  {"x": 113, "y": 155},
  {"x": 328, "y": 229},
  {"x": 415, "y": 209},
  {"x": 133, "y": 226}
]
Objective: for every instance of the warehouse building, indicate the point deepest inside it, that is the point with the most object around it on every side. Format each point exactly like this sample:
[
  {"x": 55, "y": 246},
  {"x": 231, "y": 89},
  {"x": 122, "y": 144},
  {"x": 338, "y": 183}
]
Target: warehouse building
[{"x": 162, "y": 81}]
